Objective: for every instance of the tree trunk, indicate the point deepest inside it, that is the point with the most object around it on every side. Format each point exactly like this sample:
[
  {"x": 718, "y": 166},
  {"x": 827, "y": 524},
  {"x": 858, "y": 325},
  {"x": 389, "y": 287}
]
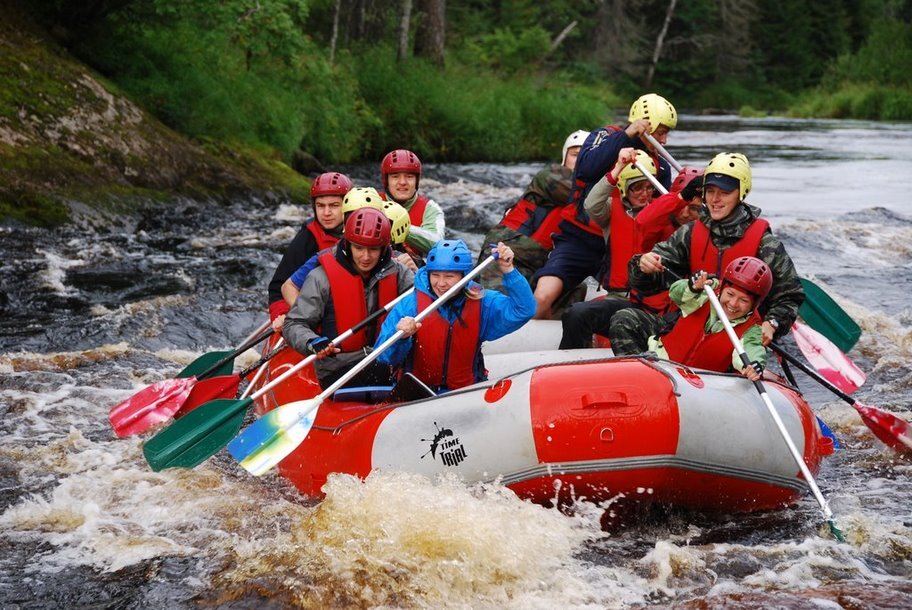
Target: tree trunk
[
  {"x": 660, "y": 41},
  {"x": 430, "y": 37},
  {"x": 335, "y": 33},
  {"x": 405, "y": 14}
]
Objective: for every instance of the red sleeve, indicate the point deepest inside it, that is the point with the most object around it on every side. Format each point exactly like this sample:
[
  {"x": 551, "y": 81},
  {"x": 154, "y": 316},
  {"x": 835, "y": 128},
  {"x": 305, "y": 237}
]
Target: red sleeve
[
  {"x": 277, "y": 308},
  {"x": 659, "y": 209}
]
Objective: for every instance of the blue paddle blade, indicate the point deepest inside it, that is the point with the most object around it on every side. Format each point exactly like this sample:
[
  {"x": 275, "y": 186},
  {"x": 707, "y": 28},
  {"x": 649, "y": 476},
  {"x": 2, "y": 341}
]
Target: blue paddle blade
[
  {"x": 271, "y": 438},
  {"x": 829, "y": 434}
]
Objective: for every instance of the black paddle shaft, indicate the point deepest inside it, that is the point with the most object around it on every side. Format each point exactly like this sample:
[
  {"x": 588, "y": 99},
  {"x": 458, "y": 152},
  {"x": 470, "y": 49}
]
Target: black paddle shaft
[
  {"x": 812, "y": 373},
  {"x": 231, "y": 356}
]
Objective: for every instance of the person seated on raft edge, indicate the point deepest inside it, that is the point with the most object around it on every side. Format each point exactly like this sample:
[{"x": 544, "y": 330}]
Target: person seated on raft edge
[
  {"x": 357, "y": 198},
  {"x": 444, "y": 351},
  {"x": 529, "y": 223},
  {"x": 353, "y": 280},
  {"x": 322, "y": 231},
  {"x": 698, "y": 339}
]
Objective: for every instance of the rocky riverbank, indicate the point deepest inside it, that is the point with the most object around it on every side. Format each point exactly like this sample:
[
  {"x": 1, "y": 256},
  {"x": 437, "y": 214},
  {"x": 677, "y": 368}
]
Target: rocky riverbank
[{"x": 74, "y": 149}]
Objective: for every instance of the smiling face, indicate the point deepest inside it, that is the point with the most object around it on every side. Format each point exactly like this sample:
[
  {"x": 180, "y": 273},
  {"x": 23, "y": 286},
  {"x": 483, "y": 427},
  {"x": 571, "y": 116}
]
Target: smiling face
[
  {"x": 720, "y": 203},
  {"x": 441, "y": 281},
  {"x": 401, "y": 186},
  {"x": 735, "y": 302},
  {"x": 328, "y": 211},
  {"x": 639, "y": 194},
  {"x": 365, "y": 258}
]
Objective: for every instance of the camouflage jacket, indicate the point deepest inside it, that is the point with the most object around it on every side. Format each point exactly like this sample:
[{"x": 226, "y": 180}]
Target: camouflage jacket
[
  {"x": 550, "y": 187},
  {"x": 784, "y": 299}
]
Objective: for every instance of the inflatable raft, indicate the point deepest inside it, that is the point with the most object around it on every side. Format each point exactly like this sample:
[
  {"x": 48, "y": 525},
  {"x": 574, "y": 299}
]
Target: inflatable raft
[{"x": 576, "y": 425}]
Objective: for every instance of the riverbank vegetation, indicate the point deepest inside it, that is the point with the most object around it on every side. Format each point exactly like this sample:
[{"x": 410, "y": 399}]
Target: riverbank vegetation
[{"x": 346, "y": 80}]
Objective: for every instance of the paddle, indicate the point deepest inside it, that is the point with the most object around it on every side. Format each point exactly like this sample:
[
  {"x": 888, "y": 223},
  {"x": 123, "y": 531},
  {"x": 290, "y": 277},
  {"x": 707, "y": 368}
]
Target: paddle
[
  {"x": 892, "y": 430},
  {"x": 828, "y": 359},
  {"x": 761, "y": 389},
  {"x": 220, "y": 363},
  {"x": 825, "y": 316},
  {"x": 201, "y": 433},
  {"x": 276, "y": 434},
  {"x": 662, "y": 151},
  {"x": 223, "y": 386},
  {"x": 161, "y": 400}
]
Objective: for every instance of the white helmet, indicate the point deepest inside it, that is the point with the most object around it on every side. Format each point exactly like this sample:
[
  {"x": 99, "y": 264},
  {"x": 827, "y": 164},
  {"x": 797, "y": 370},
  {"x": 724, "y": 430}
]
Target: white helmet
[{"x": 574, "y": 139}]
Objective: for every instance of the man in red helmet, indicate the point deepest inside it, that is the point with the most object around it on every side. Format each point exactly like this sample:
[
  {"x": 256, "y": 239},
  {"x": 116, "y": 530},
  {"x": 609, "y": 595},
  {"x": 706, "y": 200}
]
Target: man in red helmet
[
  {"x": 400, "y": 173},
  {"x": 698, "y": 339},
  {"x": 353, "y": 280},
  {"x": 322, "y": 231}
]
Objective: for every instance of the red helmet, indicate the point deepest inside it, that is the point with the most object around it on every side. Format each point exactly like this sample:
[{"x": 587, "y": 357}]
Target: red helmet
[
  {"x": 400, "y": 161},
  {"x": 751, "y": 275},
  {"x": 368, "y": 227},
  {"x": 686, "y": 174},
  {"x": 330, "y": 183}
]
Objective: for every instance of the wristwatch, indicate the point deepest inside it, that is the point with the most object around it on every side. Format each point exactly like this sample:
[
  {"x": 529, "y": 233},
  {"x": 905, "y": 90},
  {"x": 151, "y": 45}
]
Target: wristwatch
[{"x": 774, "y": 323}]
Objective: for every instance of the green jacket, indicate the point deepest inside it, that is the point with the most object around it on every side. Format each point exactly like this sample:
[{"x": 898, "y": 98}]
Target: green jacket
[
  {"x": 689, "y": 302},
  {"x": 784, "y": 299}
]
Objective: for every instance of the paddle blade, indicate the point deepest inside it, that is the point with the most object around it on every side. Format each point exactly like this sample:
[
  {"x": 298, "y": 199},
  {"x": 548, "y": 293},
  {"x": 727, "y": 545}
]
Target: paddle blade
[
  {"x": 196, "y": 437},
  {"x": 823, "y": 314},
  {"x": 152, "y": 405},
  {"x": 830, "y": 362},
  {"x": 892, "y": 430},
  {"x": 206, "y": 390},
  {"x": 266, "y": 442},
  {"x": 205, "y": 362}
]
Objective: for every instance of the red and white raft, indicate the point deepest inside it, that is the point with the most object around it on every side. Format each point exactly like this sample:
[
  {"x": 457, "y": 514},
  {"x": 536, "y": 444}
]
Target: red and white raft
[{"x": 653, "y": 432}]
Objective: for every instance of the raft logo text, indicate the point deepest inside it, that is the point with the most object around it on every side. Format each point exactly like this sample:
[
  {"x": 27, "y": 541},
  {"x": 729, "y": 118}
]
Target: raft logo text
[{"x": 447, "y": 445}]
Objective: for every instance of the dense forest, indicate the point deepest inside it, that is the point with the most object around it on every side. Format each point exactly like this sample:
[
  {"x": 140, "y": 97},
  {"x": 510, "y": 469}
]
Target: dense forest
[{"x": 346, "y": 80}]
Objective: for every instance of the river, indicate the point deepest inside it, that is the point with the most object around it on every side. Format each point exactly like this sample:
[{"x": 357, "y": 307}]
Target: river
[{"x": 90, "y": 316}]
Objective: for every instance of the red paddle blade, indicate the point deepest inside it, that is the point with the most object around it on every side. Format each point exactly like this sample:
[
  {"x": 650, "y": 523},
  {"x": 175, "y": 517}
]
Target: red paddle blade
[
  {"x": 830, "y": 362},
  {"x": 205, "y": 390},
  {"x": 152, "y": 405},
  {"x": 892, "y": 430}
]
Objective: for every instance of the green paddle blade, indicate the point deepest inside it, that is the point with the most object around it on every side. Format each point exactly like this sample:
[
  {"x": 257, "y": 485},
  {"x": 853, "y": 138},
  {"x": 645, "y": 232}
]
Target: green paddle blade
[
  {"x": 206, "y": 361},
  {"x": 825, "y": 316},
  {"x": 197, "y": 436}
]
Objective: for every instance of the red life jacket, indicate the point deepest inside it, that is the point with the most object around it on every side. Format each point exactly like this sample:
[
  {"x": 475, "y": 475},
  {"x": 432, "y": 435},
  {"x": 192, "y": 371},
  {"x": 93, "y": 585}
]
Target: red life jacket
[
  {"x": 324, "y": 239},
  {"x": 533, "y": 221},
  {"x": 444, "y": 353},
  {"x": 350, "y": 302},
  {"x": 416, "y": 214},
  {"x": 620, "y": 242},
  {"x": 705, "y": 256},
  {"x": 689, "y": 344},
  {"x": 654, "y": 224}
]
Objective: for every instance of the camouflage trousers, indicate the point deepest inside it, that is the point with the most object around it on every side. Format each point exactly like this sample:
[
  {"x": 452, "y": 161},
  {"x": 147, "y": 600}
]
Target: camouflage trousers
[
  {"x": 631, "y": 328},
  {"x": 529, "y": 256}
]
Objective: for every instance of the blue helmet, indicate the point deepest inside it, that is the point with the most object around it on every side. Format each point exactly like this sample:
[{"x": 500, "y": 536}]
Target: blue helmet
[{"x": 447, "y": 255}]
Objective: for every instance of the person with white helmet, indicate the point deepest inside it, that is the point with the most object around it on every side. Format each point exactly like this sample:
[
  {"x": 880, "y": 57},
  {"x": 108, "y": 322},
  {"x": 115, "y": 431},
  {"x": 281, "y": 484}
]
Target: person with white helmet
[
  {"x": 579, "y": 246},
  {"x": 727, "y": 228},
  {"x": 528, "y": 224},
  {"x": 322, "y": 231}
]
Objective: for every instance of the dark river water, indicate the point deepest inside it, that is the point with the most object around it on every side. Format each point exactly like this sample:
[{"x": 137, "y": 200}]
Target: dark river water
[{"x": 91, "y": 316}]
